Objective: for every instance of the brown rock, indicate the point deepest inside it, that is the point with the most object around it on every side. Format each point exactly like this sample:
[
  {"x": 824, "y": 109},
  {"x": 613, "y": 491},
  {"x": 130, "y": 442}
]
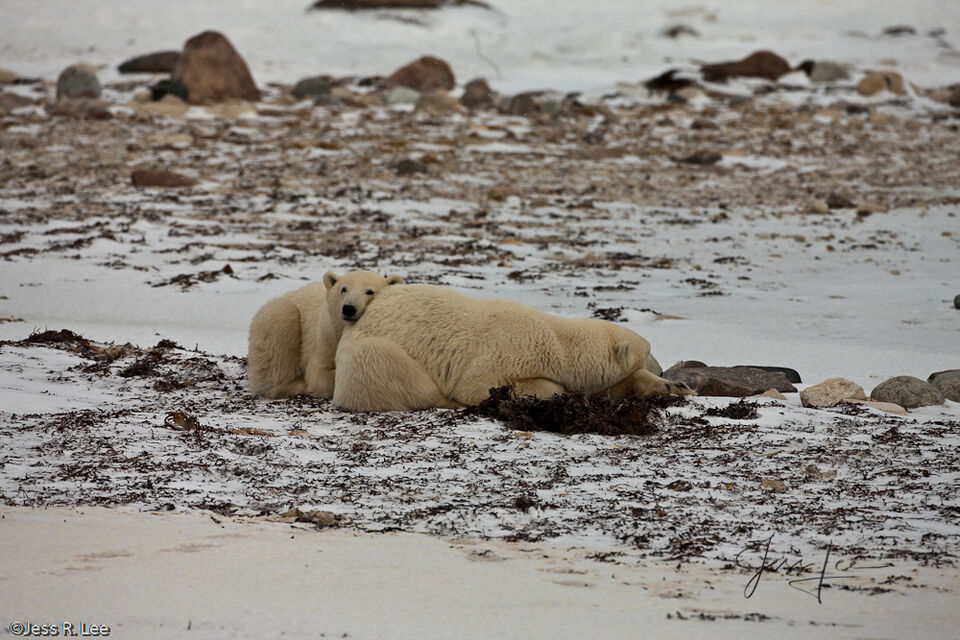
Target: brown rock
[
  {"x": 11, "y": 101},
  {"x": 159, "y": 62},
  {"x": 831, "y": 392},
  {"x": 82, "y": 108},
  {"x": 425, "y": 74},
  {"x": 8, "y": 77},
  {"x": 762, "y": 64},
  {"x": 477, "y": 94},
  {"x": 156, "y": 178},
  {"x": 773, "y": 393},
  {"x": 213, "y": 71},
  {"x": 734, "y": 382},
  {"x": 877, "y": 81}
]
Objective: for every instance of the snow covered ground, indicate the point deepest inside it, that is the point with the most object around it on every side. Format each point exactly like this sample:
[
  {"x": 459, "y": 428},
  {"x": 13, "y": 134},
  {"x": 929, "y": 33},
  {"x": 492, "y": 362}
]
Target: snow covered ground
[{"x": 723, "y": 263}]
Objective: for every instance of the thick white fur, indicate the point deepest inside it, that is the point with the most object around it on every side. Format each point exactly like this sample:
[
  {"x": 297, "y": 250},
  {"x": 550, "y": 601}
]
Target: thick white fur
[
  {"x": 293, "y": 338},
  {"x": 421, "y": 346}
]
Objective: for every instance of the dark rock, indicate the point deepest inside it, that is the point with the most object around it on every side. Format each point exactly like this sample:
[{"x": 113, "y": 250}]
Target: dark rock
[
  {"x": 477, "y": 94},
  {"x": 689, "y": 364},
  {"x": 408, "y": 167},
  {"x": 678, "y": 30},
  {"x": 425, "y": 74},
  {"x": 900, "y": 30},
  {"x": 954, "y": 99},
  {"x": 155, "y": 178},
  {"x": 762, "y": 64},
  {"x": 956, "y": 302},
  {"x": 729, "y": 381},
  {"x": 908, "y": 392},
  {"x": 78, "y": 81},
  {"x": 169, "y": 87},
  {"x": 317, "y": 87},
  {"x": 523, "y": 104},
  {"x": 159, "y": 62},
  {"x": 837, "y": 201},
  {"x": 947, "y": 382},
  {"x": 213, "y": 71},
  {"x": 667, "y": 81},
  {"x": 791, "y": 374},
  {"x": 702, "y": 157}
]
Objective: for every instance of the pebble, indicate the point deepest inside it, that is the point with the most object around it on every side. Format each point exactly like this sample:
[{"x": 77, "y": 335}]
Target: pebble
[
  {"x": 477, "y": 94},
  {"x": 825, "y": 71},
  {"x": 435, "y": 102},
  {"x": 157, "y": 178},
  {"x": 908, "y": 392},
  {"x": 877, "y": 81},
  {"x": 523, "y": 104},
  {"x": 817, "y": 206},
  {"x": 760, "y": 64},
  {"x": 8, "y": 77},
  {"x": 317, "y": 87},
  {"x": 831, "y": 392},
  {"x": 78, "y": 81},
  {"x": 409, "y": 166},
  {"x": 838, "y": 201},
  {"x": 400, "y": 95}
]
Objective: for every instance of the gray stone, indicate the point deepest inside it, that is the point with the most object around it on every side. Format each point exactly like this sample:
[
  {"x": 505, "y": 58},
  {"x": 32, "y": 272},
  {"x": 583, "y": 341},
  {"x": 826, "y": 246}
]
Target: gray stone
[
  {"x": 734, "y": 382},
  {"x": 317, "y": 87},
  {"x": 78, "y": 82},
  {"x": 948, "y": 383},
  {"x": 523, "y": 104},
  {"x": 477, "y": 94},
  {"x": 908, "y": 392},
  {"x": 828, "y": 72},
  {"x": 400, "y": 95}
]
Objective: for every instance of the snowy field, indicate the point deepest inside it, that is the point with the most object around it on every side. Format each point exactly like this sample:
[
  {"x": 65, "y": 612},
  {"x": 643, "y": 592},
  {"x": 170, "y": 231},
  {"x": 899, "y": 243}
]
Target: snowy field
[{"x": 124, "y": 311}]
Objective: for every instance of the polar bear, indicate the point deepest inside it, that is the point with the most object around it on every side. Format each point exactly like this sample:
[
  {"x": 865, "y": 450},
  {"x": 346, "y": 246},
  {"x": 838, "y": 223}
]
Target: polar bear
[
  {"x": 421, "y": 346},
  {"x": 293, "y": 338}
]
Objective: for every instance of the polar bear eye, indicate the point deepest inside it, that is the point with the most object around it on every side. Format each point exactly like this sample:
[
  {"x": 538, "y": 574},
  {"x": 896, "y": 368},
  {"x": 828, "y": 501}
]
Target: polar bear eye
[
  {"x": 344, "y": 290},
  {"x": 369, "y": 292}
]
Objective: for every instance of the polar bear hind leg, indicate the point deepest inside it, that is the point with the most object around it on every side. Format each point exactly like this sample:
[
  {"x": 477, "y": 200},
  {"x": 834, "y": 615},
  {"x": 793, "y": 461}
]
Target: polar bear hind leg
[
  {"x": 375, "y": 374},
  {"x": 273, "y": 365},
  {"x": 643, "y": 383}
]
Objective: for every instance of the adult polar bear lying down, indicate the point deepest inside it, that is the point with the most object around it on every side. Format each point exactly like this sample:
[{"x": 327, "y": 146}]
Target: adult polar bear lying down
[{"x": 420, "y": 346}]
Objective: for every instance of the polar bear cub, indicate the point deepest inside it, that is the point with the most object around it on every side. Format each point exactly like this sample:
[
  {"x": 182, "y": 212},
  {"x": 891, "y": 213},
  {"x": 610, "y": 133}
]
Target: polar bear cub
[
  {"x": 293, "y": 338},
  {"x": 421, "y": 346}
]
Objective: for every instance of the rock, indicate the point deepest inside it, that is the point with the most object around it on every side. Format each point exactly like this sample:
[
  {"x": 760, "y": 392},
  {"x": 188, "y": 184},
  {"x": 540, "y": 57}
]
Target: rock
[
  {"x": 702, "y": 157},
  {"x": 908, "y": 392},
  {"x": 791, "y": 374},
  {"x": 8, "y": 77},
  {"x": 230, "y": 110},
  {"x": 477, "y": 94},
  {"x": 773, "y": 393},
  {"x": 499, "y": 194},
  {"x": 900, "y": 30},
  {"x": 424, "y": 74},
  {"x": 317, "y": 87},
  {"x": 356, "y": 5},
  {"x": 886, "y": 407},
  {"x": 436, "y": 102},
  {"x": 867, "y": 208},
  {"x": 817, "y": 206},
  {"x": 158, "y": 62},
  {"x": 729, "y": 381},
  {"x": 831, "y": 392},
  {"x": 824, "y": 71},
  {"x": 12, "y": 101},
  {"x": 78, "y": 81},
  {"x": 954, "y": 99},
  {"x": 169, "y": 106},
  {"x": 877, "y": 81},
  {"x": 667, "y": 81},
  {"x": 81, "y": 108},
  {"x": 947, "y": 382},
  {"x": 156, "y": 178},
  {"x": 956, "y": 301},
  {"x": 652, "y": 365},
  {"x": 761, "y": 64},
  {"x": 169, "y": 87},
  {"x": 771, "y": 484},
  {"x": 837, "y": 201},
  {"x": 408, "y": 167},
  {"x": 678, "y": 30},
  {"x": 213, "y": 71},
  {"x": 523, "y": 104},
  {"x": 400, "y": 95}
]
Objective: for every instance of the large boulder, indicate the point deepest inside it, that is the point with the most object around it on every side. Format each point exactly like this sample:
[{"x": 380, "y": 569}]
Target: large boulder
[
  {"x": 213, "y": 71},
  {"x": 908, "y": 392},
  {"x": 158, "y": 62},
  {"x": 78, "y": 81},
  {"x": 831, "y": 392},
  {"x": 425, "y": 74},
  {"x": 761, "y": 64},
  {"x": 734, "y": 382},
  {"x": 947, "y": 383}
]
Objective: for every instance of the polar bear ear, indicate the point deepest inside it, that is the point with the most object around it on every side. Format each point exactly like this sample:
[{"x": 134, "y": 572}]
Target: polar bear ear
[
  {"x": 330, "y": 279},
  {"x": 622, "y": 350},
  {"x": 394, "y": 280}
]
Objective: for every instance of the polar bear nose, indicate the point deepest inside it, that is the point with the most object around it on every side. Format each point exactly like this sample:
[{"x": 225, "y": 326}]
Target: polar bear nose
[{"x": 348, "y": 310}]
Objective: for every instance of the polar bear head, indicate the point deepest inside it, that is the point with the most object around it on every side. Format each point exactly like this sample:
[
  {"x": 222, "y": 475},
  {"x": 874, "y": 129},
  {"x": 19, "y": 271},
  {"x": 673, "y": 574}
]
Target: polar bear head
[{"x": 348, "y": 295}]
